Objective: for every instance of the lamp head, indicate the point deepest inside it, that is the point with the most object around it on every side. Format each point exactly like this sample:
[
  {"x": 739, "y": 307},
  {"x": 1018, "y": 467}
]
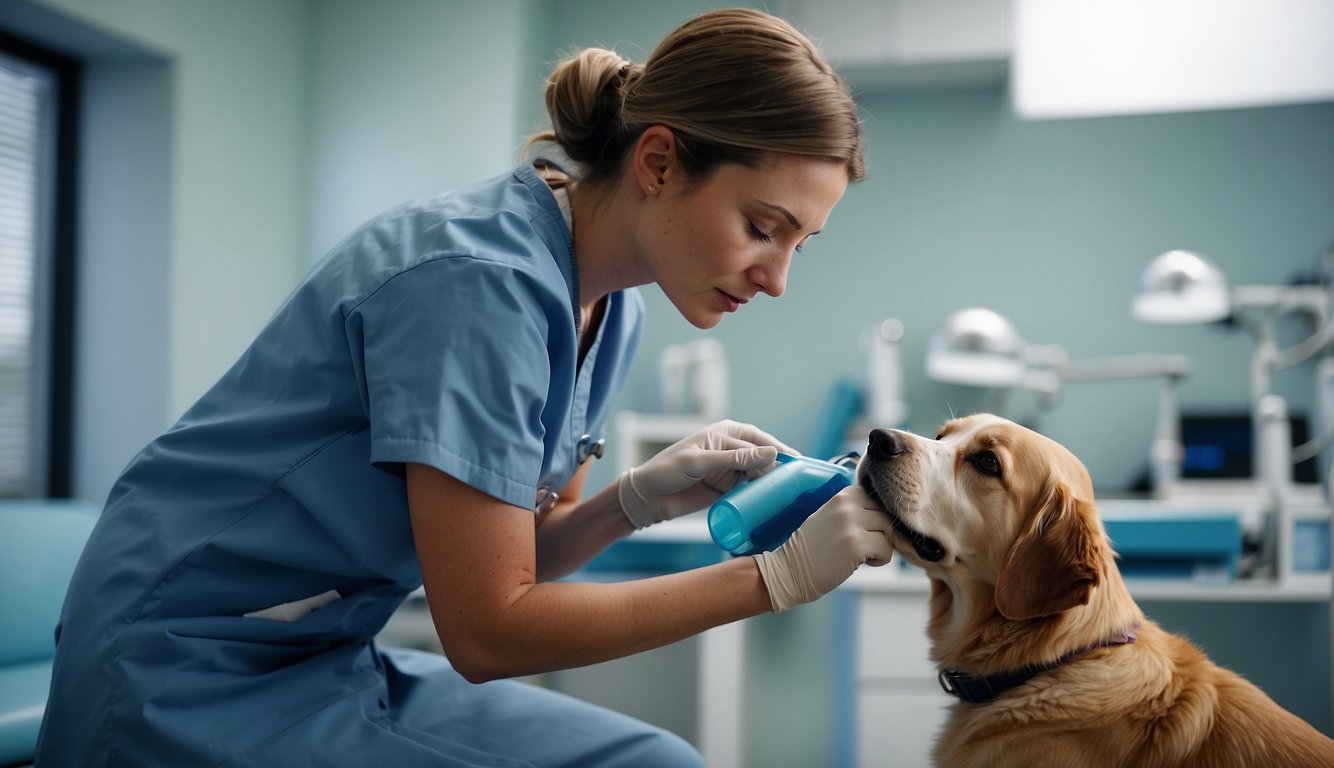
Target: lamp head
[
  {"x": 976, "y": 347},
  {"x": 1182, "y": 287}
]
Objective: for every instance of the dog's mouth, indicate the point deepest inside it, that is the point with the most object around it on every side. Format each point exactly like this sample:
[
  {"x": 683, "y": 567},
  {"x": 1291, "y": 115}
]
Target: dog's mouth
[{"x": 927, "y": 548}]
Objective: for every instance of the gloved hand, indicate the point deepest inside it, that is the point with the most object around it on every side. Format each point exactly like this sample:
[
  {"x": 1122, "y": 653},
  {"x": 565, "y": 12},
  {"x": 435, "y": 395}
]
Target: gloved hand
[
  {"x": 693, "y": 473},
  {"x": 850, "y": 529}
]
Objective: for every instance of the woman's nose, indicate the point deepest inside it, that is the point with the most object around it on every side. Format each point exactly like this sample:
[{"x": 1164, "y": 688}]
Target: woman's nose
[{"x": 771, "y": 278}]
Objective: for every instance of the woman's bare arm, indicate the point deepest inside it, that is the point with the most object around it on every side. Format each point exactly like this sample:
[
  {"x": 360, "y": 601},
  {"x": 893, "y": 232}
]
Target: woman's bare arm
[
  {"x": 577, "y": 530},
  {"x": 496, "y": 620}
]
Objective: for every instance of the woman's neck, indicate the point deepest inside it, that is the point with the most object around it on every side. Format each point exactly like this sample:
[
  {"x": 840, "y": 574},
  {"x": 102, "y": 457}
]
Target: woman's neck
[{"x": 604, "y": 245}]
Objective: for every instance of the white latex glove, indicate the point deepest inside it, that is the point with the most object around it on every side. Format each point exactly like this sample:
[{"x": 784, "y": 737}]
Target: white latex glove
[
  {"x": 696, "y": 471},
  {"x": 850, "y": 529}
]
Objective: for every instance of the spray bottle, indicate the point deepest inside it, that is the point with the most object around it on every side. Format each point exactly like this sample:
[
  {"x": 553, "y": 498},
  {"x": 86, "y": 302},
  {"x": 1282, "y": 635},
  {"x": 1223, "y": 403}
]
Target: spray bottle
[{"x": 761, "y": 514}]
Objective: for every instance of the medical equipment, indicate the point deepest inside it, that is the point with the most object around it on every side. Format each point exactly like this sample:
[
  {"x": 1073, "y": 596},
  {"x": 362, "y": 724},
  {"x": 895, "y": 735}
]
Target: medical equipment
[
  {"x": 761, "y": 514},
  {"x": 1180, "y": 287},
  {"x": 883, "y": 403},
  {"x": 1159, "y": 540},
  {"x": 695, "y": 379},
  {"x": 978, "y": 347}
]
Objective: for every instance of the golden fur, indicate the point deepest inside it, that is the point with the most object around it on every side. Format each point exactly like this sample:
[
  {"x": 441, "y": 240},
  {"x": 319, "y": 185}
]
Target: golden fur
[{"x": 1022, "y": 573}]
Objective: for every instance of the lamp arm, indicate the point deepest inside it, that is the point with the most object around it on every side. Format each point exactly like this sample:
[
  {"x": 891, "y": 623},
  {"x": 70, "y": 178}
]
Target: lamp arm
[
  {"x": 1044, "y": 382},
  {"x": 1306, "y": 348},
  {"x": 1281, "y": 298},
  {"x": 1312, "y": 448},
  {"x": 1165, "y": 450},
  {"x": 1313, "y": 300},
  {"x": 1128, "y": 367}
]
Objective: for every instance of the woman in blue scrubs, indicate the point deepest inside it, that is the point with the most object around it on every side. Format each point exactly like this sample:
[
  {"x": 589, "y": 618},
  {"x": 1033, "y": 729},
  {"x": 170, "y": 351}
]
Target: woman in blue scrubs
[{"x": 420, "y": 411}]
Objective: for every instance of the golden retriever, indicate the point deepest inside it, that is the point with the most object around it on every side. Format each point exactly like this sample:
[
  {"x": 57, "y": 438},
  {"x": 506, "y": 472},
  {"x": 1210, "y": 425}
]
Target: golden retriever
[{"x": 1033, "y": 628}]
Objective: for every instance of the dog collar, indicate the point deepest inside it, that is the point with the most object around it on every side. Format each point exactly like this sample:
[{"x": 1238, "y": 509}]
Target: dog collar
[{"x": 976, "y": 689}]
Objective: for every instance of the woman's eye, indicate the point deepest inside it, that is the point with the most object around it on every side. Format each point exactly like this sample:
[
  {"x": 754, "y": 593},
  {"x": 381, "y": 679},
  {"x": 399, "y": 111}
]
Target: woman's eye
[
  {"x": 755, "y": 232},
  {"x": 988, "y": 463}
]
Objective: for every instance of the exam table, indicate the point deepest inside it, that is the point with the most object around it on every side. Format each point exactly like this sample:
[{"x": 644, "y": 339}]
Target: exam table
[{"x": 40, "y": 541}]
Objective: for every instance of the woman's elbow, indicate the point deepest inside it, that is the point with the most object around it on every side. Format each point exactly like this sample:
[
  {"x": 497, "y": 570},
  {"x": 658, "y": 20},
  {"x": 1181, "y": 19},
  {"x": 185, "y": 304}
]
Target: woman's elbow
[
  {"x": 476, "y": 674},
  {"x": 476, "y": 661},
  {"x": 473, "y": 670}
]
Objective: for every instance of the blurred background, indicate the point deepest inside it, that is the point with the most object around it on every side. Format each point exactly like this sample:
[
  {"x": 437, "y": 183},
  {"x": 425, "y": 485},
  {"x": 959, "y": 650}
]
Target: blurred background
[{"x": 223, "y": 147}]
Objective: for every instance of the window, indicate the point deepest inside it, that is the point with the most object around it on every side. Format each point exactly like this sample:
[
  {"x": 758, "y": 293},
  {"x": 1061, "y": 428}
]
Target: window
[{"x": 37, "y": 96}]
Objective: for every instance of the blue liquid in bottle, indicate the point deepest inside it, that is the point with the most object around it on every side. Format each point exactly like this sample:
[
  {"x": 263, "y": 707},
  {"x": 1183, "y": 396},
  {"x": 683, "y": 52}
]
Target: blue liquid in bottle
[{"x": 761, "y": 514}]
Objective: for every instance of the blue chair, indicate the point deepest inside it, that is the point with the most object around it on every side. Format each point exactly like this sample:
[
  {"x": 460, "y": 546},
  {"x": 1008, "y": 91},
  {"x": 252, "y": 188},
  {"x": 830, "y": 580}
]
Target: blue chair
[{"x": 40, "y": 541}]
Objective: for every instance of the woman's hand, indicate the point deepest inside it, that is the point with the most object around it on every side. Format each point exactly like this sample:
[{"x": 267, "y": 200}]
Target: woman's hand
[
  {"x": 850, "y": 529},
  {"x": 695, "y": 472}
]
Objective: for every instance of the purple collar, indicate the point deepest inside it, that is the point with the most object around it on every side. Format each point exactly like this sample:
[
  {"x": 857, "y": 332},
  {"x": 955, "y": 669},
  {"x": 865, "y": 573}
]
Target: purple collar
[{"x": 976, "y": 689}]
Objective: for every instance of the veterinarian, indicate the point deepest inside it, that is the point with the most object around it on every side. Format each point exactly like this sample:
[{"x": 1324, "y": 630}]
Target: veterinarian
[{"x": 423, "y": 409}]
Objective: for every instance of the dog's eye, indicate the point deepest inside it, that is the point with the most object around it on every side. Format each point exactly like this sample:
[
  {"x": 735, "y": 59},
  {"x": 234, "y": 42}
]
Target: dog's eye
[
  {"x": 942, "y": 434},
  {"x": 987, "y": 463}
]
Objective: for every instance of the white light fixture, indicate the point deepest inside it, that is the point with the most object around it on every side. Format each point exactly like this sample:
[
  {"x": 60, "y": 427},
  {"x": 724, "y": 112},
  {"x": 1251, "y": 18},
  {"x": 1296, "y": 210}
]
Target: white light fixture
[
  {"x": 1182, "y": 287},
  {"x": 1095, "y": 58},
  {"x": 980, "y": 348},
  {"x": 977, "y": 347}
]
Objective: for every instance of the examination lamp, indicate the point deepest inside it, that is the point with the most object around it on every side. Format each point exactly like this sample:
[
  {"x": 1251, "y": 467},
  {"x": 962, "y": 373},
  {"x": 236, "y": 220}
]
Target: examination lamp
[
  {"x": 1182, "y": 287},
  {"x": 980, "y": 348},
  {"x": 1185, "y": 287}
]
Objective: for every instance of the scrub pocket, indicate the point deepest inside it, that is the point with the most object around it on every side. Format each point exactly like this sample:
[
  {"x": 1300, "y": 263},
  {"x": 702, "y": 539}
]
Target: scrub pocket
[{"x": 295, "y": 610}]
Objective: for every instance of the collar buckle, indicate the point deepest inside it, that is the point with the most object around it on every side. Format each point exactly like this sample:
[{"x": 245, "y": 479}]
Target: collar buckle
[{"x": 969, "y": 688}]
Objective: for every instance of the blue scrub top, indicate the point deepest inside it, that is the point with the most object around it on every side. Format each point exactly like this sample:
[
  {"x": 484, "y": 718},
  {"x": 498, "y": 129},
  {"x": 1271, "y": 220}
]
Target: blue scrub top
[{"x": 443, "y": 332}]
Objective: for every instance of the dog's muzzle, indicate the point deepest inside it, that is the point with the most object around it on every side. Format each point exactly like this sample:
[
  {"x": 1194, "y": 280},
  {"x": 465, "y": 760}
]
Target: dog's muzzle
[{"x": 884, "y": 446}]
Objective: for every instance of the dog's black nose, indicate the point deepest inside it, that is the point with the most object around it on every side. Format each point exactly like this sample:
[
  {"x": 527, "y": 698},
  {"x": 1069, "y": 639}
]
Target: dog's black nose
[{"x": 886, "y": 444}]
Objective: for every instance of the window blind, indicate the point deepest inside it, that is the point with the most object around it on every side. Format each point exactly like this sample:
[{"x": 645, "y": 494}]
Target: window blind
[{"x": 26, "y": 93}]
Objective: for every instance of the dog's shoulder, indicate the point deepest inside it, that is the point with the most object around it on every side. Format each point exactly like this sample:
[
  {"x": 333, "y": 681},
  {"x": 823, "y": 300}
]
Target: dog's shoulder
[
  {"x": 1207, "y": 715},
  {"x": 1157, "y": 702}
]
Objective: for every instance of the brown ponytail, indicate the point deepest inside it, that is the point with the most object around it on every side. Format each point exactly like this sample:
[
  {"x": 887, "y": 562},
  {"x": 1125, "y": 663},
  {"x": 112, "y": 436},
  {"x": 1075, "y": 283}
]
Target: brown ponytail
[{"x": 732, "y": 84}]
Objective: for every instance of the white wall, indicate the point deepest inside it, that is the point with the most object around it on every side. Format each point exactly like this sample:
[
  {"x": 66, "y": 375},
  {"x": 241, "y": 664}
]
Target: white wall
[
  {"x": 237, "y": 141},
  {"x": 237, "y": 156},
  {"x": 192, "y": 200},
  {"x": 408, "y": 99},
  {"x": 122, "y": 293}
]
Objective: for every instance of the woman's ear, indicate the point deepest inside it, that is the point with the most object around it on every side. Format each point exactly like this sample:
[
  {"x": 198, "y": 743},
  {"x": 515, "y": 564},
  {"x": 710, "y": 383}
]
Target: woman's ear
[
  {"x": 654, "y": 158},
  {"x": 1053, "y": 566}
]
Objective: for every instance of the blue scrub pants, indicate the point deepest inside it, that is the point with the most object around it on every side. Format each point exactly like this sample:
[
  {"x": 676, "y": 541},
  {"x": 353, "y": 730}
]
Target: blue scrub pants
[{"x": 426, "y": 714}]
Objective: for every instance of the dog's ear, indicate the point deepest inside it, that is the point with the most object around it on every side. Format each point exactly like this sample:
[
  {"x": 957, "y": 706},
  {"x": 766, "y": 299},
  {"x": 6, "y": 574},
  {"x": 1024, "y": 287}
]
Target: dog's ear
[{"x": 1053, "y": 566}]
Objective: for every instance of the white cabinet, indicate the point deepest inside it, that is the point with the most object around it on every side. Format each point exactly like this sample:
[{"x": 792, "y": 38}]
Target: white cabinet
[
  {"x": 885, "y": 44},
  {"x": 900, "y": 707},
  {"x": 640, "y": 436},
  {"x": 897, "y": 728}
]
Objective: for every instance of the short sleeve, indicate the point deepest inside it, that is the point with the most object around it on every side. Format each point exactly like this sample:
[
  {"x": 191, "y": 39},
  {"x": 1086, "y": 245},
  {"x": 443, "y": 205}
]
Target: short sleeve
[{"x": 456, "y": 367}]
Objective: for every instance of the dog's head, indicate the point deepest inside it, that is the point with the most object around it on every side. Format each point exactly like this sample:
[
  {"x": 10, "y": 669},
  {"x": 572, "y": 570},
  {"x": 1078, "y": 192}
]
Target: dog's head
[{"x": 990, "y": 505}]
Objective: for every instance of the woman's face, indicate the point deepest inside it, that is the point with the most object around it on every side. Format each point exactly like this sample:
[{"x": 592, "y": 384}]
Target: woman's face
[{"x": 712, "y": 246}]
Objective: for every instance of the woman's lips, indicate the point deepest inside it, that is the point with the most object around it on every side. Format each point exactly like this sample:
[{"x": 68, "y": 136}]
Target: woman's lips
[{"x": 730, "y": 303}]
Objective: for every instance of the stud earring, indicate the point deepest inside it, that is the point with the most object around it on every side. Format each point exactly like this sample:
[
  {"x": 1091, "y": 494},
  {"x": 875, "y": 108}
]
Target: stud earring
[{"x": 652, "y": 190}]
